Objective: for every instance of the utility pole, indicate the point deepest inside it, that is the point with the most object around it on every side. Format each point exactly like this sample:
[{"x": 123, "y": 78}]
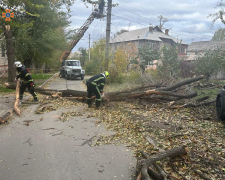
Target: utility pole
[
  {"x": 89, "y": 47},
  {"x": 108, "y": 34}
]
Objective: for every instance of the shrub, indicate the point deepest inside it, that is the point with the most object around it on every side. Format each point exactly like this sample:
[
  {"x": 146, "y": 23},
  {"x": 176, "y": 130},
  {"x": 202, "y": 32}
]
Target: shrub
[
  {"x": 133, "y": 76},
  {"x": 92, "y": 67},
  {"x": 115, "y": 76}
]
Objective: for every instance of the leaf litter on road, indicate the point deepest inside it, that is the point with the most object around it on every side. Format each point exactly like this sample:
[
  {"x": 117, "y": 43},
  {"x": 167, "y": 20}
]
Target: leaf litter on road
[{"x": 196, "y": 128}]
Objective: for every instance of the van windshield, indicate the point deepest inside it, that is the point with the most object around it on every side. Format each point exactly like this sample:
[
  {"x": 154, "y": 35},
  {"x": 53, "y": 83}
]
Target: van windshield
[{"x": 73, "y": 63}]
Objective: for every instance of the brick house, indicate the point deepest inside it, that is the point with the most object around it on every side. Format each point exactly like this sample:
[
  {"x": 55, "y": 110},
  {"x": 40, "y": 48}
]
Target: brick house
[{"x": 150, "y": 36}]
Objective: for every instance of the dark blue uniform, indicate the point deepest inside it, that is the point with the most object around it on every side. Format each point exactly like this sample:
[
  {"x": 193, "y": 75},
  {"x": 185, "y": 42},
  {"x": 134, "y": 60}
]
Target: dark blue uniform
[
  {"x": 95, "y": 86},
  {"x": 26, "y": 82}
]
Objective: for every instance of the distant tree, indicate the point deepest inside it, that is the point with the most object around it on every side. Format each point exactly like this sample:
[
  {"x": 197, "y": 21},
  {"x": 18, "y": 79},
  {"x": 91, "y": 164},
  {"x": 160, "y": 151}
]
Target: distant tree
[
  {"x": 120, "y": 61},
  {"x": 162, "y": 21},
  {"x": 37, "y": 21},
  {"x": 131, "y": 52},
  {"x": 210, "y": 63},
  {"x": 219, "y": 14},
  {"x": 120, "y": 32},
  {"x": 146, "y": 55},
  {"x": 219, "y": 35},
  {"x": 169, "y": 68},
  {"x": 96, "y": 64},
  {"x": 83, "y": 55}
]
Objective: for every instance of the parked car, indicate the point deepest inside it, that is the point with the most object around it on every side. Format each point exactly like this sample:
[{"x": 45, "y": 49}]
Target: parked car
[
  {"x": 220, "y": 104},
  {"x": 71, "y": 69}
]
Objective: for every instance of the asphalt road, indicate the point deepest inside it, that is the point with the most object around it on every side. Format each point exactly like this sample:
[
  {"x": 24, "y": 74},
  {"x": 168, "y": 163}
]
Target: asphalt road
[{"x": 49, "y": 149}]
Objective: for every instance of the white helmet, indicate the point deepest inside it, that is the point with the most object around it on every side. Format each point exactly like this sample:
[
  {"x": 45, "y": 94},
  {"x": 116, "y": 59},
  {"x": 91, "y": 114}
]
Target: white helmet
[{"x": 17, "y": 64}]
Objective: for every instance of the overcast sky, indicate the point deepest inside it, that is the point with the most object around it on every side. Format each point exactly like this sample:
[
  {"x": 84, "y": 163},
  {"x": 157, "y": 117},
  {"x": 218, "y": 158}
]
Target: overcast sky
[{"x": 188, "y": 20}]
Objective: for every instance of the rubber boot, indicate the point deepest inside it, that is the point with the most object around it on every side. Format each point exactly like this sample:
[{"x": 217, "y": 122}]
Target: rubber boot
[
  {"x": 35, "y": 99},
  {"x": 89, "y": 101},
  {"x": 21, "y": 97},
  {"x": 97, "y": 104}
]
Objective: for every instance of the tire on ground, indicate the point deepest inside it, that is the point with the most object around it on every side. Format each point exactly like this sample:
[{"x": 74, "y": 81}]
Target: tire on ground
[{"x": 220, "y": 108}]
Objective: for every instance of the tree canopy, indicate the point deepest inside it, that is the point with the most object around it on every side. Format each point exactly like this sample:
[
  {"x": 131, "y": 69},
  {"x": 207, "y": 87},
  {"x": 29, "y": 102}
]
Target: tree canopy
[
  {"x": 36, "y": 34},
  {"x": 219, "y": 35},
  {"x": 210, "y": 63},
  {"x": 219, "y": 14}
]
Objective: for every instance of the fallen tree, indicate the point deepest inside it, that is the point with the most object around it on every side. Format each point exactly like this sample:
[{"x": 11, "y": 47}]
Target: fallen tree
[{"x": 134, "y": 93}]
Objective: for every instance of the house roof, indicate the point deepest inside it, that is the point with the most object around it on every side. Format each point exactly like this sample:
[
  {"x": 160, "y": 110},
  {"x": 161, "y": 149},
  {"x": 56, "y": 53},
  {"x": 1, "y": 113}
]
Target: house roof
[
  {"x": 206, "y": 45},
  {"x": 142, "y": 34}
]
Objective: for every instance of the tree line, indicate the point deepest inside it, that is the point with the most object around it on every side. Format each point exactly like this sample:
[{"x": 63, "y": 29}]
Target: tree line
[{"x": 36, "y": 34}]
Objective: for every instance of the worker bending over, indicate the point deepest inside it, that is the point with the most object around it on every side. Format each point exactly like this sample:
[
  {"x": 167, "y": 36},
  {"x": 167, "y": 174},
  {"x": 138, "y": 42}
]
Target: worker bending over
[
  {"x": 95, "y": 86},
  {"x": 26, "y": 80}
]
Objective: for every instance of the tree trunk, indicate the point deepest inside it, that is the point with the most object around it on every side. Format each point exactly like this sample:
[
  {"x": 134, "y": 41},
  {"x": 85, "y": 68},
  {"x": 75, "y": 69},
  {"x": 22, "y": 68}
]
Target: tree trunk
[
  {"x": 10, "y": 51},
  {"x": 27, "y": 63}
]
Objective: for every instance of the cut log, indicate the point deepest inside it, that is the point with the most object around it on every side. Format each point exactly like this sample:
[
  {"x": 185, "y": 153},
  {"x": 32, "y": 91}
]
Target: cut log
[
  {"x": 5, "y": 117},
  {"x": 145, "y": 163},
  {"x": 135, "y": 89},
  {"x": 17, "y": 110},
  {"x": 151, "y": 92},
  {"x": 72, "y": 93}
]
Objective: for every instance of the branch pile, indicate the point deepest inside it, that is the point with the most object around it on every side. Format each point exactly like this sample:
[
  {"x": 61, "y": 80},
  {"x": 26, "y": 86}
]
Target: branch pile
[{"x": 145, "y": 166}]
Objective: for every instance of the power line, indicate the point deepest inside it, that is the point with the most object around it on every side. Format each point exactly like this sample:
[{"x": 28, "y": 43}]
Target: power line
[
  {"x": 129, "y": 20},
  {"x": 134, "y": 13},
  {"x": 133, "y": 18},
  {"x": 148, "y": 11}
]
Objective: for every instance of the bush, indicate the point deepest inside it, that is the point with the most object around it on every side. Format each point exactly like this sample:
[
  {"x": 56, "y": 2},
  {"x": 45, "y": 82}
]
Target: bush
[
  {"x": 92, "y": 67},
  {"x": 115, "y": 76},
  {"x": 133, "y": 76}
]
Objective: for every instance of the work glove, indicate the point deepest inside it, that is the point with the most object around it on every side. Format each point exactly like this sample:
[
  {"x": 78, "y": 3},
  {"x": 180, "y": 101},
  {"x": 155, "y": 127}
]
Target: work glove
[
  {"x": 102, "y": 94},
  {"x": 32, "y": 84}
]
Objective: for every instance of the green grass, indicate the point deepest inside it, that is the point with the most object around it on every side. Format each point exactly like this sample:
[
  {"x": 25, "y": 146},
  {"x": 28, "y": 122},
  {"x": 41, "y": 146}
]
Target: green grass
[
  {"x": 41, "y": 76},
  {"x": 5, "y": 90},
  {"x": 211, "y": 92}
]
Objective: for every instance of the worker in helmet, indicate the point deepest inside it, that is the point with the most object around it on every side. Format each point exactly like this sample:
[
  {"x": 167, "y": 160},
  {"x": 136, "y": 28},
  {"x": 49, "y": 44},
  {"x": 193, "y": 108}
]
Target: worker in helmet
[
  {"x": 26, "y": 80},
  {"x": 95, "y": 86}
]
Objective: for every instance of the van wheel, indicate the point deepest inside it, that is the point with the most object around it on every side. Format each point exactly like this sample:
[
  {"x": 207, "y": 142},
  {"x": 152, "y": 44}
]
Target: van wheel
[
  {"x": 219, "y": 108},
  {"x": 82, "y": 77}
]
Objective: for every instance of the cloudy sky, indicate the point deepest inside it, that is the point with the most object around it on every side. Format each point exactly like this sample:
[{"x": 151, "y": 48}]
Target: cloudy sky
[{"x": 188, "y": 20}]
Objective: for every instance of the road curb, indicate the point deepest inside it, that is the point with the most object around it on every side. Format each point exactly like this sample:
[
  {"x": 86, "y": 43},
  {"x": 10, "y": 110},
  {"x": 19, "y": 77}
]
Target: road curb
[{"x": 8, "y": 113}]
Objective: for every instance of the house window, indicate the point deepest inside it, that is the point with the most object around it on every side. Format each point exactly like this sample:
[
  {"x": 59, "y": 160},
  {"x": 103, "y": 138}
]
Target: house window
[
  {"x": 196, "y": 53},
  {"x": 188, "y": 53},
  {"x": 181, "y": 50}
]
